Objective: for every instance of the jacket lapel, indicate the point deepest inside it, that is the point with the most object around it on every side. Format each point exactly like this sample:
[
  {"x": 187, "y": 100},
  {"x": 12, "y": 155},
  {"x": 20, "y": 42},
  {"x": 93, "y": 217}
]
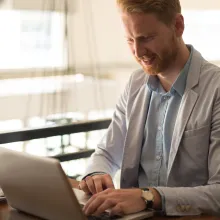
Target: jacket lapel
[
  {"x": 133, "y": 142},
  {"x": 186, "y": 107}
]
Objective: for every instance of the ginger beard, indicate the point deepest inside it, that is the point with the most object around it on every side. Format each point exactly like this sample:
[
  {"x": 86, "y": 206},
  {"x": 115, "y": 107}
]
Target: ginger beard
[{"x": 154, "y": 64}]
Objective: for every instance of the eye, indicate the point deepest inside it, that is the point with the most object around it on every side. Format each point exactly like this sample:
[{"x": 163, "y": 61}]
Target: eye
[
  {"x": 130, "y": 41},
  {"x": 147, "y": 39},
  {"x": 151, "y": 38}
]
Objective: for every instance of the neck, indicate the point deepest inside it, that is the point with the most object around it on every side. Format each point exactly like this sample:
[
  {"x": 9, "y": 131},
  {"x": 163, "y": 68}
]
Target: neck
[{"x": 168, "y": 77}]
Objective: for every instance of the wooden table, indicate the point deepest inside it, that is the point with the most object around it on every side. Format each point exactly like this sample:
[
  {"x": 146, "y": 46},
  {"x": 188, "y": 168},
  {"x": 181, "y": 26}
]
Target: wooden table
[{"x": 6, "y": 213}]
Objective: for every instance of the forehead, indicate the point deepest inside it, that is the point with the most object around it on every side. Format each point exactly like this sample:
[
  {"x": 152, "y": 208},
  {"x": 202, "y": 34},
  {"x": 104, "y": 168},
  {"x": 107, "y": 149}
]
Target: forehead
[{"x": 141, "y": 23}]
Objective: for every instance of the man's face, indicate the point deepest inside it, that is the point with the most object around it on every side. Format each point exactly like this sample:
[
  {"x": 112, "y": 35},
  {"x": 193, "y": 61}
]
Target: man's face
[{"x": 152, "y": 42}]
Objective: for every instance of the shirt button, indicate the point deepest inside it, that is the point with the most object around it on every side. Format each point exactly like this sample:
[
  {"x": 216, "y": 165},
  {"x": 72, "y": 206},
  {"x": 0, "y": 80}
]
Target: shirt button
[
  {"x": 159, "y": 128},
  {"x": 158, "y": 157}
]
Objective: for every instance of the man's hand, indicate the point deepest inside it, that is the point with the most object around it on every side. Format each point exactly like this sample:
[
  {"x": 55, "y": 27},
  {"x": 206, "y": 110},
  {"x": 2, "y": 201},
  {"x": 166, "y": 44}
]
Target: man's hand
[
  {"x": 120, "y": 202},
  {"x": 74, "y": 183},
  {"x": 97, "y": 183}
]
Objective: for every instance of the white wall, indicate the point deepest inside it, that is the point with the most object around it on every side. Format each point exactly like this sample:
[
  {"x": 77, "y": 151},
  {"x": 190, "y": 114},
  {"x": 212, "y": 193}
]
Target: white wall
[
  {"x": 57, "y": 5},
  {"x": 33, "y": 4},
  {"x": 200, "y": 4},
  {"x": 98, "y": 35},
  {"x": 6, "y": 4}
]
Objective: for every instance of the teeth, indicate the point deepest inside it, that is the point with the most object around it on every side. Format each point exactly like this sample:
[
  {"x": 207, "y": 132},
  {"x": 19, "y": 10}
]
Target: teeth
[{"x": 147, "y": 60}]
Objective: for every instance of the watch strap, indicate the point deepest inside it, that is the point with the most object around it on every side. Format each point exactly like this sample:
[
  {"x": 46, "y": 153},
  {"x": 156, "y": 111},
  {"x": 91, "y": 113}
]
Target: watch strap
[{"x": 149, "y": 203}]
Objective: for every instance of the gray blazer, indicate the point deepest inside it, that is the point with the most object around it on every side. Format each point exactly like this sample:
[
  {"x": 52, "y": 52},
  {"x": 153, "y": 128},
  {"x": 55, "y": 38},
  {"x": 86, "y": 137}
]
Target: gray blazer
[{"x": 193, "y": 177}]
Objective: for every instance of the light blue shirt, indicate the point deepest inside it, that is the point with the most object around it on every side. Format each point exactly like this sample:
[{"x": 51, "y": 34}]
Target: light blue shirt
[{"x": 160, "y": 121}]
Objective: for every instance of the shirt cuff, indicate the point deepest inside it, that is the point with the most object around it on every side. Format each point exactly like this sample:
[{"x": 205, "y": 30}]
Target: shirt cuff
[{"x": 93, "y": 174}]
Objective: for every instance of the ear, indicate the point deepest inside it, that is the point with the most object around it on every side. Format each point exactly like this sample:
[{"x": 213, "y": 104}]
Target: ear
[{"x": 179, "y": 25}]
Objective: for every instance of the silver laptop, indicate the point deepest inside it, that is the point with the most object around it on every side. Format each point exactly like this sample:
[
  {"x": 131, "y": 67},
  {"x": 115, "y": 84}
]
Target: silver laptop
[
  {"x": 39, "y": 186},
  {"x": 16, "y": 215}
]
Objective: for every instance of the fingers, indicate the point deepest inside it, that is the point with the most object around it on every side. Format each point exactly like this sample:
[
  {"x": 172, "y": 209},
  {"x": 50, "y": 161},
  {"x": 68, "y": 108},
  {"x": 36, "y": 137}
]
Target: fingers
[
  {"x": 98, "y": 204},
  {"x": 103, "y": 201},
  {"x": 121, "y": 202},
  {"x": 108, "y": 183},
  {"x": 93, "y": 203},
  {"x": 96, "y": 184},
  {"x": 83, "y": 186},
  {"x": 117, "y": 210},
  {"x": 90, "y": 184},
  {"x": 107, "y": 204},
  {"x": 90, "y": 201}
]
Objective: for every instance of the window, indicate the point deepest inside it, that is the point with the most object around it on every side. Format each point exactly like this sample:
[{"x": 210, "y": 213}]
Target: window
[
  {"x": 31, "y": 39},
  {"x": 203, "y": 32}
]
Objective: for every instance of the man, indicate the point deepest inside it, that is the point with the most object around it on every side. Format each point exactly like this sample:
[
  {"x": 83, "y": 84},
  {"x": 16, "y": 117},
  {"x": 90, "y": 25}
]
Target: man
[{"x": 165, "y": 132}]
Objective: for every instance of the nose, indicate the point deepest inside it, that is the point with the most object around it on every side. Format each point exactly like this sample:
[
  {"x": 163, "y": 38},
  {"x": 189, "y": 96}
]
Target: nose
[{"x": 139, "y": 50}]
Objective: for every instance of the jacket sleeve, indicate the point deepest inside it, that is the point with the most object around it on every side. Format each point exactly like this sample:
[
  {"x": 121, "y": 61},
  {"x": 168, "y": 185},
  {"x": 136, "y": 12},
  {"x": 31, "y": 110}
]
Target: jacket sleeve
[
  {"x": 201, "y": 199},
  {"x": 109, "y": 152}
]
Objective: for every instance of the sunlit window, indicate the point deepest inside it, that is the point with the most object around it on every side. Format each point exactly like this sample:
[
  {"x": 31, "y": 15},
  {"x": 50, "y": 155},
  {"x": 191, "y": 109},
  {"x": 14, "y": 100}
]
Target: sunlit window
[
  {"x": 203, "y": 32},
  {"x": 11, "y": 125},
  {"x": 31, "y": 39}
]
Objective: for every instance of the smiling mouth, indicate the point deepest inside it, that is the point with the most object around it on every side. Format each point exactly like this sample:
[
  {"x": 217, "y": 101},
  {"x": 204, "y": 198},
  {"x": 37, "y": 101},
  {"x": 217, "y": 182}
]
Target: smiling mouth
[{"x": 148, "y": 62}]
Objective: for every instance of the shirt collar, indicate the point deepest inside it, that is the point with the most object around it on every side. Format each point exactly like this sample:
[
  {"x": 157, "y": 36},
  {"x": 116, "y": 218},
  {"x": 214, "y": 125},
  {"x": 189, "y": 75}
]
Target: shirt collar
[
  {"x": 179, "y": 85},
  {"x": 153, "y": 83}
]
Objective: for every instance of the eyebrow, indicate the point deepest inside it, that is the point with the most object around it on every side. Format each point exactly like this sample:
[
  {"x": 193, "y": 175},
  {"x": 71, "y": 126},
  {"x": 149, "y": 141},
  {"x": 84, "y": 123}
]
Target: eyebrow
[{"x": 143, "y": 36}]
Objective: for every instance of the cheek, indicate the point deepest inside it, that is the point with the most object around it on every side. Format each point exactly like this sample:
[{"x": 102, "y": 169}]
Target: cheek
[
  {"x": 160, "y": 49},
  {"x": 131, "y": 47},
  {"x": 153, "y": 47}
]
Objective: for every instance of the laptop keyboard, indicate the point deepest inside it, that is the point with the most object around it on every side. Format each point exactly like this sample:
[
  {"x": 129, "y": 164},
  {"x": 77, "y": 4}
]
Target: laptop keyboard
[{"x": 103, "y": 216}]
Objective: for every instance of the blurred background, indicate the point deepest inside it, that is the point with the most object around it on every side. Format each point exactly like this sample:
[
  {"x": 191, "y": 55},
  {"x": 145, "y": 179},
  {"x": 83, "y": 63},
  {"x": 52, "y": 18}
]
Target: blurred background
[{"x": 63, "y": 65}]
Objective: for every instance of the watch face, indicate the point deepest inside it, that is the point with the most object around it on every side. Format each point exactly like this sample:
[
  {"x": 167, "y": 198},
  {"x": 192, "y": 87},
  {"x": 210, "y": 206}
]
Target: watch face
[{"x": 147, "y": 195}]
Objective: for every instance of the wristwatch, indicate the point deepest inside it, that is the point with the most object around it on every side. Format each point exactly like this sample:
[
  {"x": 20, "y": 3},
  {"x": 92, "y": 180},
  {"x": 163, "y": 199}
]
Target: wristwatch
[{"x": 148, "y": 197}]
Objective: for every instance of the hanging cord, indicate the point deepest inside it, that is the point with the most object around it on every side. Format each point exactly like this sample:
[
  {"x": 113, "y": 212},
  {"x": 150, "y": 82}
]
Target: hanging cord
[
  {"x": 70, "y": 66},
  {"x": 66, "y": 71},
  {"x": 32, "y": 76},
  {"x": 44, "y": 101},
  {"x": 30, "y": 96},
  {"x": 92, "y": 44},
  {"x": 55, "y": 94}
]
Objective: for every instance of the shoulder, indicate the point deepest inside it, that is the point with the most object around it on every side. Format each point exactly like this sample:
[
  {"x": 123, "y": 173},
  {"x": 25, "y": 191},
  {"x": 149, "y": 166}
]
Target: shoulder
[
  {"x": 210, "y": 75},
  {"x": 209, "y": 82},
  {"x": 210, "y": 68}
]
